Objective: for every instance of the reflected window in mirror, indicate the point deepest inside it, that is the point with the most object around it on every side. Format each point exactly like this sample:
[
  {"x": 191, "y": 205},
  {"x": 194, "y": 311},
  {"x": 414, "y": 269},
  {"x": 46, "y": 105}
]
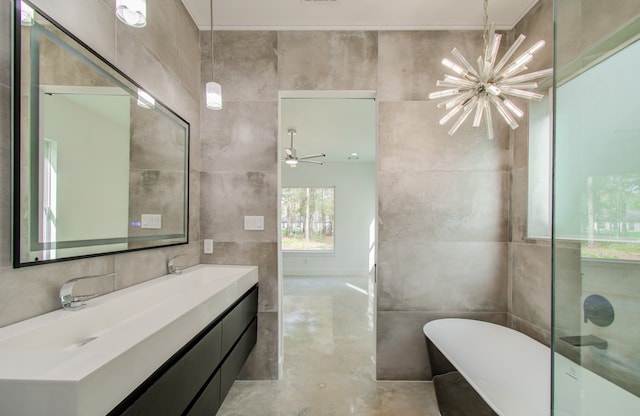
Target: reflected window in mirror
[{"x": 101, "y": 166}]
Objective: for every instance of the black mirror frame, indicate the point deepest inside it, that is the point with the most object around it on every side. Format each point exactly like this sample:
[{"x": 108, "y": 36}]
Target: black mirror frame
[{"x": 16, "y": 66}]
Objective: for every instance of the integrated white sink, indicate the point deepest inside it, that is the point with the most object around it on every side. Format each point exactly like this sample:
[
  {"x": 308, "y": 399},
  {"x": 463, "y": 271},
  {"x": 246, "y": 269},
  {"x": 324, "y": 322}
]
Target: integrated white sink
[{"x": 87, "y": 361}]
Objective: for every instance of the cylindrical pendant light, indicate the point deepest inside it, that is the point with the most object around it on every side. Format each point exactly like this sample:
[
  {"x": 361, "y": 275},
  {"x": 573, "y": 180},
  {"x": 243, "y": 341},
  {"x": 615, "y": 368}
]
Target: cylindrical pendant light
[
  {"x": 132, "y": 12},
  {"x": 213, "y": 90},
  {"x": 214, "y": 96}
]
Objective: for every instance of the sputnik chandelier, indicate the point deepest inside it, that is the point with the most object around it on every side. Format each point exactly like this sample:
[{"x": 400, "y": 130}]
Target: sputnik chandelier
[{"x": 490, "y": 84}]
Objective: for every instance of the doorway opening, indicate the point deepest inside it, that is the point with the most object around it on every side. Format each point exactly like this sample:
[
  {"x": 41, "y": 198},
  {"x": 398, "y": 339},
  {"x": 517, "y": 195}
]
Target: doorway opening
[{"x": 328, "y": 209}]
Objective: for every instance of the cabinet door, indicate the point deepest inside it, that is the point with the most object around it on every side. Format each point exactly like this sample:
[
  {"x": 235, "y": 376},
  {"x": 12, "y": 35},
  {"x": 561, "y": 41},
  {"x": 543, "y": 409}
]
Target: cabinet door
[
  {"x": 237, "y": 320},
  {"x": 176, "y": 388}
]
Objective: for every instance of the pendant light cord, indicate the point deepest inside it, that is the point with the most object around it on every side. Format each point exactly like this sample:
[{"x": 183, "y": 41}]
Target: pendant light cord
[{"x": 211, "y": 32}]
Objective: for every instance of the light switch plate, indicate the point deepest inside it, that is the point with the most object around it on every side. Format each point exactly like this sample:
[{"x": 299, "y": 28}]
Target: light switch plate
[
  {"x": 153, "y": 221},
  {"x": 254, "y": 223}
]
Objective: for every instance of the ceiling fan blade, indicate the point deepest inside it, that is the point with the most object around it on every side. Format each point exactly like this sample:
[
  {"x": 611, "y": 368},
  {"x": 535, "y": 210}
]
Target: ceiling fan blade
[
  {"x": 311, "y": 161},
  {"x": 312, "y": 156}
]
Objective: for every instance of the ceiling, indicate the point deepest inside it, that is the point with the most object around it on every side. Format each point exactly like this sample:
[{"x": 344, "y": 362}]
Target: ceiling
[
  {"x": 355, "y": 14},
  {"x": 335, "y": 127}
]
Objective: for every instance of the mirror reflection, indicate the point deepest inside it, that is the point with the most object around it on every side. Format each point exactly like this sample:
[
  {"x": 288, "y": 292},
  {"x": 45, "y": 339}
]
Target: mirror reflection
[{"x": 101, "y": 166}]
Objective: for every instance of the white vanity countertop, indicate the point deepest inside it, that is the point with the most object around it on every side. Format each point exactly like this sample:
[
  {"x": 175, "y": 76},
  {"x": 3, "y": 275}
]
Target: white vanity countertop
[{"x": 85, "y": 362}]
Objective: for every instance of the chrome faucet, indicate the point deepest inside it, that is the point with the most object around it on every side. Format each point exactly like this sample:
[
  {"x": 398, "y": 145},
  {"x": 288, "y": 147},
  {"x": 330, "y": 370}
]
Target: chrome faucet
[
  {"x": 71, "y": 302},
  {"x": 173, "y": 269}
]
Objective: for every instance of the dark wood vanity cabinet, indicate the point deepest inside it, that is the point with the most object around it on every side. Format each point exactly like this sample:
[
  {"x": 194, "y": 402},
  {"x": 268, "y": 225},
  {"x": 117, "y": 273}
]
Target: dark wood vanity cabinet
[{"x": 197, "y": 378}]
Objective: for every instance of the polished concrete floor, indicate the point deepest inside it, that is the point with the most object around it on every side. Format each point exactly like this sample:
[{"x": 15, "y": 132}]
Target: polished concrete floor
[{"x": 328, "y": 345}]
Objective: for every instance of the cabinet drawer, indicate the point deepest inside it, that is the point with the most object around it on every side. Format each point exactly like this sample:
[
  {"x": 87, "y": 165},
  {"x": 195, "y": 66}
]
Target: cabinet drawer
[
  {"x": 237, "y": 320},
  {"x": 209, "y": 401},
  {"x": 172, "y": 393},
  {"x": 234, "y": 362},
  {"x": 197, "y": 378}
]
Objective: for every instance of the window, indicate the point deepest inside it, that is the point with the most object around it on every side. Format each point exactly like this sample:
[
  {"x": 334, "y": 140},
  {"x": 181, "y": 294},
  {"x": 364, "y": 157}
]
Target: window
[
  {"x": 307, "y": 222},
  {"x": 539, "y": 201},
  {"x": 597, "y": 175}
]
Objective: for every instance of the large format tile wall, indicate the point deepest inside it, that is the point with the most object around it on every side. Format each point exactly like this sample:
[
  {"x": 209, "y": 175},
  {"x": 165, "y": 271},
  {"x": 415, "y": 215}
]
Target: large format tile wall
[
  {"x": 529, "y": 259},
  {"x": 239, "y": 172},
  {"x": 164, "y": 57},
  {"x": 443, "y": 205},
  {"x": 443, "y": 201}
]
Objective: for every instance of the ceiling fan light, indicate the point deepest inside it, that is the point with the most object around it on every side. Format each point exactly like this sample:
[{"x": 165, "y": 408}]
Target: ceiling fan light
[{"x": 292, "y": 158}]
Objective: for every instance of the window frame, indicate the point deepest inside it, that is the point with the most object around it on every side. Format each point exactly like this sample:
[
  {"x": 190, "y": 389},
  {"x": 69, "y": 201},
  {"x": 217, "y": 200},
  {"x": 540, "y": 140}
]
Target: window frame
[{"x": 310, "y": 252}]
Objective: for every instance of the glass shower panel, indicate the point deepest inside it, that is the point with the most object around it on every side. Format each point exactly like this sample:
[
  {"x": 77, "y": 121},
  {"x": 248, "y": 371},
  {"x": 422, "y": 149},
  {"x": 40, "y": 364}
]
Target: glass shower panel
[{"x": 596, "y": 210}]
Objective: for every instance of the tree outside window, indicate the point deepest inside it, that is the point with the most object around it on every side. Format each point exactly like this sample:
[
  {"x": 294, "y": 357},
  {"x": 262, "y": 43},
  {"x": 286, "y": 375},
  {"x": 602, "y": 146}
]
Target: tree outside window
[
  {"x": 610, "y": 217},
  {"x": 307, "y": 222}
]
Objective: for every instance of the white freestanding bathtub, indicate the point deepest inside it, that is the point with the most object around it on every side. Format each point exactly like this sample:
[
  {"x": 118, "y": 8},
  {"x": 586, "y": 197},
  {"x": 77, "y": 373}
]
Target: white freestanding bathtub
[{"x": 512, "y": 372}]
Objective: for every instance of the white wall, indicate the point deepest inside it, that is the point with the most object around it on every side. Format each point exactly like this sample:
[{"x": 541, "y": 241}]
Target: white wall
[
  {"x": 93, "y": 169},
  {"x": 355, "y": 199}
]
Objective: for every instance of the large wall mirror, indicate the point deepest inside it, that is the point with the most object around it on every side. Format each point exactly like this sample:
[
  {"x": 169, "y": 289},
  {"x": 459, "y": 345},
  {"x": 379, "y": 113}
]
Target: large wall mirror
[{"x": 100, "y": 166}]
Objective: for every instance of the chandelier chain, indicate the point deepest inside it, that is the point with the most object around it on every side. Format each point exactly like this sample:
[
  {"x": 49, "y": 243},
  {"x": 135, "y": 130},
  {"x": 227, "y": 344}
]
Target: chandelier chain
[{"x": 485, "y": 34}]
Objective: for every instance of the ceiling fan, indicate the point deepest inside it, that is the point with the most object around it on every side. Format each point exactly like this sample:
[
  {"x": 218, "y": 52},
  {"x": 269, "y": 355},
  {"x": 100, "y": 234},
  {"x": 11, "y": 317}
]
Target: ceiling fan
[{"x": 292, "y": 158}]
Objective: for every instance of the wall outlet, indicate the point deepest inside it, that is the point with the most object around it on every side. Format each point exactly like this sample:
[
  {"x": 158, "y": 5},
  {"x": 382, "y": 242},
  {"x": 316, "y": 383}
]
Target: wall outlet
[{"x": 208, "y": 246}]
